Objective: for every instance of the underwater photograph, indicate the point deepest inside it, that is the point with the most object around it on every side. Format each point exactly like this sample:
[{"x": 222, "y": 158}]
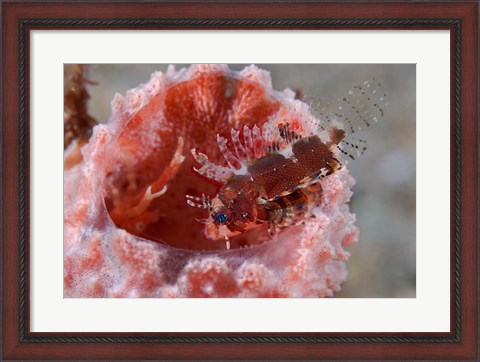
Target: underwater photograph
[{"x": 239, "y": 181}]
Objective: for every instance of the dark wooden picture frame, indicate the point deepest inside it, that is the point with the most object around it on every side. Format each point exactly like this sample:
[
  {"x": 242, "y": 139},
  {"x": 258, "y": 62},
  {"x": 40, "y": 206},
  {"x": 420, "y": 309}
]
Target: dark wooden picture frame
[{"x": 460, "y": 18}]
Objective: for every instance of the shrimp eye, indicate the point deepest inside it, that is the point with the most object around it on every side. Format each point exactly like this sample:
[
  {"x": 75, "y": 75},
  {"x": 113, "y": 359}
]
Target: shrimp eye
[{"x": 220, "y": 218}]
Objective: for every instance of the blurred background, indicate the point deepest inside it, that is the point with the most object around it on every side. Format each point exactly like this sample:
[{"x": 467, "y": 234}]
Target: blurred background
[{"x": 382, "y": 264}]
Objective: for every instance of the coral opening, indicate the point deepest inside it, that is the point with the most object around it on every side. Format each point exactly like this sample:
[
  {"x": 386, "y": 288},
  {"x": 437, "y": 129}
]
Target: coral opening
[{"x": 186, "y": 115}]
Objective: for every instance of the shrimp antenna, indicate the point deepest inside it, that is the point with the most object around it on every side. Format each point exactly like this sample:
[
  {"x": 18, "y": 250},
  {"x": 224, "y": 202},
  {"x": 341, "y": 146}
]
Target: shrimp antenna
[{"x": 203, "y": 202}]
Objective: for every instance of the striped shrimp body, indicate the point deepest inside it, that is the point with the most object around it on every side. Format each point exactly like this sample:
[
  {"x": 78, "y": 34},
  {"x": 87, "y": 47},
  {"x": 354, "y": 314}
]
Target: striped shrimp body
[{"x": 273, "y": 177}]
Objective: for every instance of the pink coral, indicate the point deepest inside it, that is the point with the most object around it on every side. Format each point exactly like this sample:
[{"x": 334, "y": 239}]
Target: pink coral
[{"x": 128, "y": 230}]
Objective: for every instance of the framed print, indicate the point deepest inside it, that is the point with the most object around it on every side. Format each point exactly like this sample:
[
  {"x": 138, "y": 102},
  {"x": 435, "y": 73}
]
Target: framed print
[{"x": 168, "y": 229}]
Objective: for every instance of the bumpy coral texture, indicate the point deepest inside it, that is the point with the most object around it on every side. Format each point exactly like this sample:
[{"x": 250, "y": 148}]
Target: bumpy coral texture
[{"x": 140, "y": 151}]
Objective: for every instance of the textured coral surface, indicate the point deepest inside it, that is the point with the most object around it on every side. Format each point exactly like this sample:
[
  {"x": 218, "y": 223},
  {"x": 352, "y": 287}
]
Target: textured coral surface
[{"x": 126, "y": 235}]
